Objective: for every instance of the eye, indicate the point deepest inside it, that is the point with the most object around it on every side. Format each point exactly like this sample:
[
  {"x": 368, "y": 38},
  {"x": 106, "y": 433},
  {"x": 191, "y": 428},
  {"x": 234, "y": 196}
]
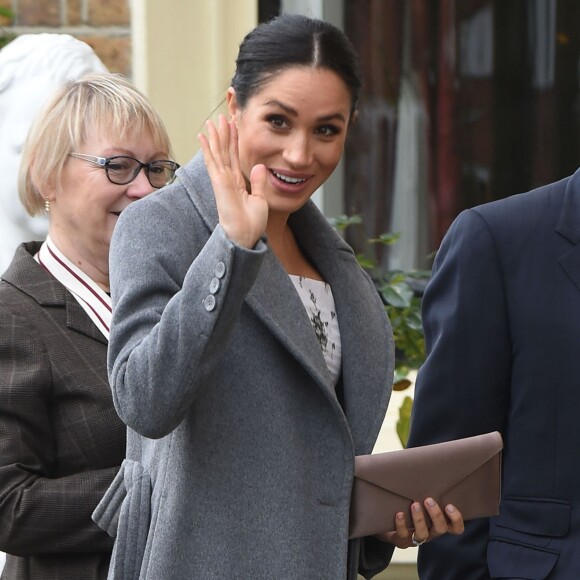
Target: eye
[
  {"x": 277, "y": 121},
  {"x": 156, "y": 168},
  {"x": 328, "y": 130},
  {"x": 120, "y": 164}
]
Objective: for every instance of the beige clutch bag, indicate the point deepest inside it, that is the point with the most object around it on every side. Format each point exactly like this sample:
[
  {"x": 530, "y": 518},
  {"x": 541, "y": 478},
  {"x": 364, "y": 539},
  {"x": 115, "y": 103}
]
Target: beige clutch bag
[{"x": 465, "y": 472}]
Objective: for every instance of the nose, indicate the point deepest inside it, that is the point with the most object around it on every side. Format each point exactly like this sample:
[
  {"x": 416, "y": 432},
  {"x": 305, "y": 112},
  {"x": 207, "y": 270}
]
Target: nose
[
  {"x": 298, "y": 150},
  {"x": 140, "y": 186}
]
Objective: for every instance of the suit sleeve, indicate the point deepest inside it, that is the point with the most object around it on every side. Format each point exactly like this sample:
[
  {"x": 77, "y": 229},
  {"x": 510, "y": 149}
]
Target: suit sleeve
[
  {"x": 39, "y": 514},
  {"x": 463, "y": 387}
]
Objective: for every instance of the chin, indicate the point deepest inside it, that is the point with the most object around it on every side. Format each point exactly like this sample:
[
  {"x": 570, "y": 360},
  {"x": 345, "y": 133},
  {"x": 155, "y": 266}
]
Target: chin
[{"x": 288, "y": 204}]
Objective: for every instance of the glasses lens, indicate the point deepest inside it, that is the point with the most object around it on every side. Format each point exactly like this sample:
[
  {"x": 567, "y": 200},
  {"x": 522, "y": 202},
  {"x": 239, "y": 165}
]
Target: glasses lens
[
  {"x": 161, "y": 173},
  {"x": 122, "y": 170}
]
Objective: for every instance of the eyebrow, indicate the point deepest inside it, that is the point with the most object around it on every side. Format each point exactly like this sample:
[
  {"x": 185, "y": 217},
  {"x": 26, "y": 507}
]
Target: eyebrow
[{"x": 294, "y": 112}]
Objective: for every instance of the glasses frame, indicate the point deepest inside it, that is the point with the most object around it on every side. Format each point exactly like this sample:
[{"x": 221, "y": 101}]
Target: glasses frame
[{"x": 104, "y": 162}]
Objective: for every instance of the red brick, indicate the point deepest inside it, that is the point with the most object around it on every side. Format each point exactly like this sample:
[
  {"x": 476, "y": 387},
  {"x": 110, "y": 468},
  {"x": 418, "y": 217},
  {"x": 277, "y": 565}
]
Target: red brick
[
  {"x": 73, "y": 12},
  {"x": 35, "y": 13},
  {"x": 114, "y": 52},
  {"x": 109, "y": 13}
]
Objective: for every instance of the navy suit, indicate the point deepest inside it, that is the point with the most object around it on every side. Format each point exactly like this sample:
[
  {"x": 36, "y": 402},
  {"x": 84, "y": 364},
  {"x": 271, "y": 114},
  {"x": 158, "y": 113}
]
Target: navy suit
[{"x": 502, "y": 326}]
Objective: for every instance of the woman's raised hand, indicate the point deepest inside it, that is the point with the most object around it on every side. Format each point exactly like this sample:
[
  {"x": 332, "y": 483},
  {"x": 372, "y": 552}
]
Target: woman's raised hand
[{"x": 242, "y": 214}]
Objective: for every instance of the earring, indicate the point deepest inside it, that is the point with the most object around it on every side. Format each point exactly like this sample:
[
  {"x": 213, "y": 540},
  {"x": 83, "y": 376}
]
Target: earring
[{"x": 47, "y": 205}]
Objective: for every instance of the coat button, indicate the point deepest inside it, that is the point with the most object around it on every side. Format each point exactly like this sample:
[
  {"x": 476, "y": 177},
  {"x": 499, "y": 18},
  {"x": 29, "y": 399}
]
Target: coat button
[
  {"x": 214, "y": 285},
  {"x": 209, "y": 302},
  {"x": 220, "y": 270}
]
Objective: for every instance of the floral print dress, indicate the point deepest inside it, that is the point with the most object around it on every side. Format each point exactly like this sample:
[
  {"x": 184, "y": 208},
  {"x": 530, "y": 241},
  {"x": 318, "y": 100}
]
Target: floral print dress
[{"x": 319, "y": 304}]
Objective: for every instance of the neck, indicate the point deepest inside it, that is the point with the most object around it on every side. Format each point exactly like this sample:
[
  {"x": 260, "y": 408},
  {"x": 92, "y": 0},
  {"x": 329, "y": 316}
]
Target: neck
[
  {"x": 94, "y": 264},
  {"x": 278, "y": 231},
  {"x": 283, "y": 243}
]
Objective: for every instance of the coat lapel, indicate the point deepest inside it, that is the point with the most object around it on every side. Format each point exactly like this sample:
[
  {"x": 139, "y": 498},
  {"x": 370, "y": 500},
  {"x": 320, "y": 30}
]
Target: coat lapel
[
  {"x": 273, "y": 297},
  {"x": 365, "y": 331},
  {"x": 569, "y": 228},
  {"x": 37, "y": 283},
  {"x": 276, "y": 302},
  {"x": 367, "y": 366}
]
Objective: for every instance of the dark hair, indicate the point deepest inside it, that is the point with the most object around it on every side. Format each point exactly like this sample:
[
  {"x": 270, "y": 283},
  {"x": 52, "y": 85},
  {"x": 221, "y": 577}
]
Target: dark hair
[{"x": 294, "y": 40}]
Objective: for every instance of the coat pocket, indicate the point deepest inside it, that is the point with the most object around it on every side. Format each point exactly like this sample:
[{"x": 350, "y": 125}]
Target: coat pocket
[
  {"x": 125, "y": 512},
  {"x": 534, "y": 516},
  {"x": 510, "y": 560},
  {"x": 524, "y": 538}
]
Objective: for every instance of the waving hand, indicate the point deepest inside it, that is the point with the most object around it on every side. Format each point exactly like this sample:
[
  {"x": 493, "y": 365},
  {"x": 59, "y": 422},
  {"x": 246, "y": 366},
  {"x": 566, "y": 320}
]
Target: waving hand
[{"x": 242, "y": 214}]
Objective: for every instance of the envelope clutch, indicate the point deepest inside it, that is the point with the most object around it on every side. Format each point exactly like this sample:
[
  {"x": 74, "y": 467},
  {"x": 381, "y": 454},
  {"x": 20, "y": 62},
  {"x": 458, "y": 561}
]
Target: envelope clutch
[{"x": 465, "y": 472}]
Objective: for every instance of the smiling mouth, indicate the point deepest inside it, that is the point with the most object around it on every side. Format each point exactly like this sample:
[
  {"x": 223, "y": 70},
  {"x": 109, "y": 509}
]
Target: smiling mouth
[{"x": 287, "y": 179}]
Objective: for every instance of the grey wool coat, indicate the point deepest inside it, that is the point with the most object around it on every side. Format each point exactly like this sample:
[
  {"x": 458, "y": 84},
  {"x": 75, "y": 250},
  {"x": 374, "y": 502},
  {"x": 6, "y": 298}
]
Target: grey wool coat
[{"x": 240, "y": 452}]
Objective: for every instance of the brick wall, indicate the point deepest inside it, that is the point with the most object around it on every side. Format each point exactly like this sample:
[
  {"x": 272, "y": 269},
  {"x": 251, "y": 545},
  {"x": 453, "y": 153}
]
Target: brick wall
[{"x": 104, "y": 24}]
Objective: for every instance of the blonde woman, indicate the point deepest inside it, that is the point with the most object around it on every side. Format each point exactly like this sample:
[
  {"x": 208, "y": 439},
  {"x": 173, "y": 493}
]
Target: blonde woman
[{"x": 96, "y": 148}]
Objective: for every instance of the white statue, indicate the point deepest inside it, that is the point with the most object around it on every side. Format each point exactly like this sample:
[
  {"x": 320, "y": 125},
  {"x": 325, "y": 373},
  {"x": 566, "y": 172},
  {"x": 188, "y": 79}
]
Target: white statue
[{"x": 32, "y": 66}]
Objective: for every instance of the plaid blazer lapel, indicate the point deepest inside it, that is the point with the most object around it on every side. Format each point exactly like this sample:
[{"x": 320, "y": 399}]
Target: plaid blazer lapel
[{"x": 47, "y": 291}]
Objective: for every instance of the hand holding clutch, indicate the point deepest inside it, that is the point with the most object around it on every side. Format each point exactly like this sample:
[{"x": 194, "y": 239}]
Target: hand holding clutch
[{"x": 465, "y": 473}]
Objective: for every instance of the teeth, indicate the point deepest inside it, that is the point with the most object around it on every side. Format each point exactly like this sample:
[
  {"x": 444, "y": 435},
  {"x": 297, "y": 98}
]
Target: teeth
[{"x": 287, "y": 179}]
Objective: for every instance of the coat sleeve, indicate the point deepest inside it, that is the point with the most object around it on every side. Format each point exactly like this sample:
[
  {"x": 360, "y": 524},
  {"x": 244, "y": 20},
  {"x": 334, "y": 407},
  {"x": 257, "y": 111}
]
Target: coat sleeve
[
  {"x": 39, "y": 514},
  {"x": 463, "y": 387},
  {"x": 176, "y": 301},
  {"x": 375, "y": 556}
]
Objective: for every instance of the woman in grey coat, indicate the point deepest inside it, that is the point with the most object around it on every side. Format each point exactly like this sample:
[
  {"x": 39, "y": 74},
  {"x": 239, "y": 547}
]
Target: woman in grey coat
[{"x": 250, "y": 355}]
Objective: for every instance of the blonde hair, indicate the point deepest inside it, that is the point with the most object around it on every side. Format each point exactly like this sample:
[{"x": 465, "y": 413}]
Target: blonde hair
[{"x": 106, "y": 103}]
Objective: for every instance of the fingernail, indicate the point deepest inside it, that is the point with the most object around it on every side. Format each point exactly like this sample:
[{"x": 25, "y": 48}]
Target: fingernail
[
  {"x": 430, "y": 502},
  {"x": 417, "y": 507},
  {"x": 449, "y": 509},
  {"x": 400, "y": 516}
]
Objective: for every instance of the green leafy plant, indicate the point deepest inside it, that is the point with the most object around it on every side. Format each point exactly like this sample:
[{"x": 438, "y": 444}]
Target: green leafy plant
[
  {"x": 5, "y": 37},
  {"x": 403, "y": 306}
]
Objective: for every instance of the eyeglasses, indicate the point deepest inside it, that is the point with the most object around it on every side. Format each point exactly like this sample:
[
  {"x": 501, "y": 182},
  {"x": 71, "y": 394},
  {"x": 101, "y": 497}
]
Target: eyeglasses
[{"x": 121, "y": 169}]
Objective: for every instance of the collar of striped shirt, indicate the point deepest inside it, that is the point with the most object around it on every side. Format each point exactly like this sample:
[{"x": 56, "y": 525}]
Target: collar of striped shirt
[{"x": 93, "y": 299}]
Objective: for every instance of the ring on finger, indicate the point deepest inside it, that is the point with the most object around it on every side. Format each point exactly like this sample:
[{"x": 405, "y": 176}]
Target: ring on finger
[{"x": 417, "y": 542}]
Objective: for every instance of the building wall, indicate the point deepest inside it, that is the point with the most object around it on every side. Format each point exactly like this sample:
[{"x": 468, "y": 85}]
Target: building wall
[
  {"x": 180, "y": 53},
  {"x": 184, "y": 59},
  {"x": 103, "y": 24}
]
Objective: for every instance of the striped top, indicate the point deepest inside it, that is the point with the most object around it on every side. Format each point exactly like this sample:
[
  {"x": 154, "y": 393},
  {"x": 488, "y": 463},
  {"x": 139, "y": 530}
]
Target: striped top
[{"x": 94, "y": 300}]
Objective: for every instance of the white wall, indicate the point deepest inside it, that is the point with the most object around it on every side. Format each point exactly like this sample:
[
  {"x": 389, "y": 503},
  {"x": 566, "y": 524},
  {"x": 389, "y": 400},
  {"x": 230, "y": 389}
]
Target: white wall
[{"x": 184, "y": 57}]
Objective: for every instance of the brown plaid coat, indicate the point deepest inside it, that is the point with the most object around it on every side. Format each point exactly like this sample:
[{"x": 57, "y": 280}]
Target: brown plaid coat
[{"x": 61, "y": 441}]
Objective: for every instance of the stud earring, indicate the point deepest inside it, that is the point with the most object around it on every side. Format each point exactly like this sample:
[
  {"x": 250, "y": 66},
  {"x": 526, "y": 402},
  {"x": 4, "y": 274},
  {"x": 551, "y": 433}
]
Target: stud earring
[{"x": 47, "y": 205}]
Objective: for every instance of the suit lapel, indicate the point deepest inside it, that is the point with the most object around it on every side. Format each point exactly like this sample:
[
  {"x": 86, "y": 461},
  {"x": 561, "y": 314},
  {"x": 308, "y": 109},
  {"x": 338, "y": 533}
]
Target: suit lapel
[
  {"x": 78, "y": 320},
  {"x": 41, "y": 286},
  {"x": 569, "y": 228}
]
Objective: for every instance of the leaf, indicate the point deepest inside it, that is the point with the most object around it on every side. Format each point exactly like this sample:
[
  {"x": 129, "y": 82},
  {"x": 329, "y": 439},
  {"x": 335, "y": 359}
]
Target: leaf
[
  {"x": 401, "y": 384},
  {"x": 414, "y": 321},
  {"x": 343, "y": 221},
  {"x": 364, "y": 262},
  {"x": 398, "y": 294},
  {"x": 387, "y": 239},
  {"x": 404, "y": 422}
]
